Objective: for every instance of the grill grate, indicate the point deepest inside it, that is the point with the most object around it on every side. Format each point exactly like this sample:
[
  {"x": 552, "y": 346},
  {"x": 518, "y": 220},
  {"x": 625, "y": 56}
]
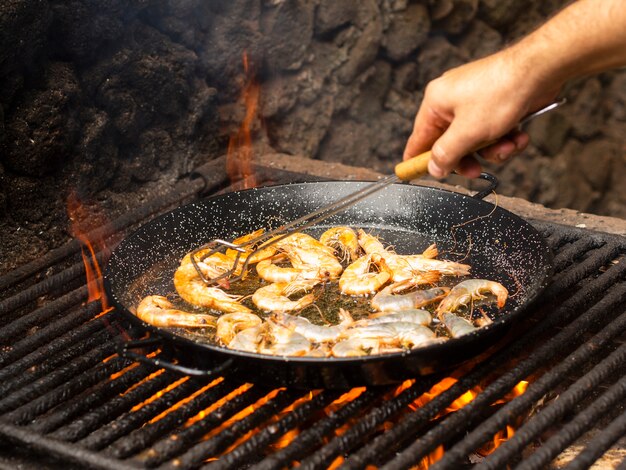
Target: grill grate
[{"x": 66, "y": 394}]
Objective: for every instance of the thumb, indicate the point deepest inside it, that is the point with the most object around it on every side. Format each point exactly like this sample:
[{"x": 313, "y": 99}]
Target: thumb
[{"x": 450, "y": 148}]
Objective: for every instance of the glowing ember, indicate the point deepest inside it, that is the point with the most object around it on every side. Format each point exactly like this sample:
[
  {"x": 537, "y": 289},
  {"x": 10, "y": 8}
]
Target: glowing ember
[{"x": 239, "y": 155}]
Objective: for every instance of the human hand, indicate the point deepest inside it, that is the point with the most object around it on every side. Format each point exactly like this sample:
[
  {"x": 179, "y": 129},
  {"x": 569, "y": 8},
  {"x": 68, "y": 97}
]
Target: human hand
[{"x": 477, "y": 106}]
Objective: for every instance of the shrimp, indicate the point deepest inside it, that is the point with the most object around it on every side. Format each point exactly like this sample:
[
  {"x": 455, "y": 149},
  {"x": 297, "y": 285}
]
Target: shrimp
[
  {"x": 324, "y": 267},
  {"x": 413, "y": 266},
  {"x": 193, "y": 290},
  {"x": 420, "y": 269},
  {"x": 262, "y": 254},
  {"x": 358, "y": 280},
  {"x": 457, "y": 326},
  {"x": 419, "y": 335},
  {"x": 415, "y": 316},
  {"x": 386, "y": 300},
  {"x": 353, "y": 347},
  {"x": 344, "y": 240},
  {"x": 282, "y": 341},
  {"x": 211, "y": 267},
  {"x": 275, "y": 297},
  {"x": 372, "y": 245},
  {"x": 304, "y": 241},
  {"x": 230, "y": 324},
  {"x": 312, "y": 332},
  {"x": 271, "y": 272},
  {"x": 248, "y": 339},
  {"x": 470, "y": 290},
  {"x": 158, "y": 311},
  {"x": 321, "y": 350},
  {"x": 384, "y": 333},
  {"x": 323, "y": 263}
]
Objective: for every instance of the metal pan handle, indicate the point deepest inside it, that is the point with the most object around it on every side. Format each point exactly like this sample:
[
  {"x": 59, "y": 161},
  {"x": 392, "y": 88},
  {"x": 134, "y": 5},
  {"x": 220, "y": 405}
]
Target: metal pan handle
[
  {"x": 124, "y": 350},
  {"x": 493, "y": 184}
]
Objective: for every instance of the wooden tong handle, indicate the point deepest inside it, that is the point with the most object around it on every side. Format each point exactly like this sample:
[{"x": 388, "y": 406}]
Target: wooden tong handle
[
  {"x": 413, "y": 168},
  {"x": 417, "y": 167}
]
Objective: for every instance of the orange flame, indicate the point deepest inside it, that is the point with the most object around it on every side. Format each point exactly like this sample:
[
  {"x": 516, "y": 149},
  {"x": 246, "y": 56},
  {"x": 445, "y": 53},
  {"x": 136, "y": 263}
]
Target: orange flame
[
  {"x": 80, "y": 220},
  {"x": 504, "y": 434},
  {"x": 239, "y": 154}
]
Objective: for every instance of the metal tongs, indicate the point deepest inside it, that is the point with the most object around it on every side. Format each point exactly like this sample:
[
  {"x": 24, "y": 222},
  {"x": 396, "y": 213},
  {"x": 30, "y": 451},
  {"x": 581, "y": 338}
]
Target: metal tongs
[{"x": 405, "y": 171}]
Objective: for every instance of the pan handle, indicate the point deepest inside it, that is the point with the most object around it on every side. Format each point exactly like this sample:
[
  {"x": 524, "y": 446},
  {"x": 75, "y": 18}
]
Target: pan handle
[
  {"x": 493, "y": 184},
  {"x": 124, "y": 350}
]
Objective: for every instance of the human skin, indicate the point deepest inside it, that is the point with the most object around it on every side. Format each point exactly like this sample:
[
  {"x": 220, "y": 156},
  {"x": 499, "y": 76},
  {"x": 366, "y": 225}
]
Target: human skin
[{"x": 482, "y": 101}]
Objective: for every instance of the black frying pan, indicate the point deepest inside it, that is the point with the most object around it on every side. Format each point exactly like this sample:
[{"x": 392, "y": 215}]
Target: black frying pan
[{"x": 500, "y": 247}]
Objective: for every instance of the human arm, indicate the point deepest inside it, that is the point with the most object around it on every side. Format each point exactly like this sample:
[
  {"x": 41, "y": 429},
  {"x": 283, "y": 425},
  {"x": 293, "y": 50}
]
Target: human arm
[{"x": 481, "y": 101}]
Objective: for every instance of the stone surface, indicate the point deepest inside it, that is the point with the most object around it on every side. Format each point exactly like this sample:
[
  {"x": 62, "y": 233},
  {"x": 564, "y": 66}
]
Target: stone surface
[
  {"x": 408, "y": 30},
  {"x": 459, "y": 17},
  {"x": 480, "y": 40},
  {"x": 550, "y": 132},
  {"x": 332, "y": 14}
]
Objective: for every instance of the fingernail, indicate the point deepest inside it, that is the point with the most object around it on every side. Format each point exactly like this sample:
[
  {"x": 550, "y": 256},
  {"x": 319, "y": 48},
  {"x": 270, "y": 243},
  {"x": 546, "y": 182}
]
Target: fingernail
[{"x": 502, "y": 157}]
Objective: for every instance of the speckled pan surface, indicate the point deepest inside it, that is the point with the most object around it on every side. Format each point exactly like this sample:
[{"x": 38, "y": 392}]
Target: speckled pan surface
[{"x": 497, "y": 244}]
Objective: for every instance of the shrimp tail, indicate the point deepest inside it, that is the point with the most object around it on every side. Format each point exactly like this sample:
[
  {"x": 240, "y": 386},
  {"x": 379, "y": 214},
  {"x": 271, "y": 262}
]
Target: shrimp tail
[{"x": 431, "y": 251}]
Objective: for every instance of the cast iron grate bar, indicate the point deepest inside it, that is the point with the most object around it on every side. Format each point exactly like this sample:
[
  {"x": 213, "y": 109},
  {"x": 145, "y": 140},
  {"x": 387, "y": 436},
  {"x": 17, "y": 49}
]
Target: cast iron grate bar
[
  {"x": 367, "y": 425},
  {"x": 600, "y": 444},
  {"x": 52, "y": 284},
  {"x": 323, "y": 429},
  {"x": 102, "y": 415},
  {"x": 170, "y": 447},
  {"x": 250, "y": 450},
  {"x": 83, "y": 402},
  {"x": 218, "y": 443},
  {"x": 91, "y": 377},
  {"x": 148, "y": 434},
  {"x": 56, "y": 346},
  {"x": 134, "y": 420},
  {"x": 553, "y": 413},
  {"x": 56, "y": 377},
  {"x": 53, "y": 330},
  {"x": 28, "y": 375},
  {"x": 567, "y": 434},
  {"x": 42, "y": 315}
]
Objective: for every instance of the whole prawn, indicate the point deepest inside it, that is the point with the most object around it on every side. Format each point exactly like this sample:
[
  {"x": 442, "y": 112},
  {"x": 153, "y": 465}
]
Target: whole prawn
[
  {"x": 468, "y": 291},
  {"x": 419, "y": 269},
  {"x": 275, "y": 297},
  {"x": 230, "y": 324},
  {"x": 281, "y": 341},
  {"x": 387, "y": 300},
  {"x": 193, "y": 290},
  {"x": 358, "y": 280},
  {"x": 158, "y": 311},
  {"x": 312, "y": 332}
]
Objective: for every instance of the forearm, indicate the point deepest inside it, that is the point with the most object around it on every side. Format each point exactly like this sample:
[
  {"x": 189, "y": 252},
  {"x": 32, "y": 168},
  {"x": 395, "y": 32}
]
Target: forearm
[{"x": 589, "y": 36}]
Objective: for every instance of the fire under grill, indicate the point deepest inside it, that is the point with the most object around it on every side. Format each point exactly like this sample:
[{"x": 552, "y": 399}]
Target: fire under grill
[{"x": 67, "y": 398}]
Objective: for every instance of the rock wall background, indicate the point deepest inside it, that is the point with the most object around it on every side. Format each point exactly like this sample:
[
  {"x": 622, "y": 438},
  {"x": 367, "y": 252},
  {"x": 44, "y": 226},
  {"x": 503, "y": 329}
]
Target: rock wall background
[{"x": 116, "y": 98}]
